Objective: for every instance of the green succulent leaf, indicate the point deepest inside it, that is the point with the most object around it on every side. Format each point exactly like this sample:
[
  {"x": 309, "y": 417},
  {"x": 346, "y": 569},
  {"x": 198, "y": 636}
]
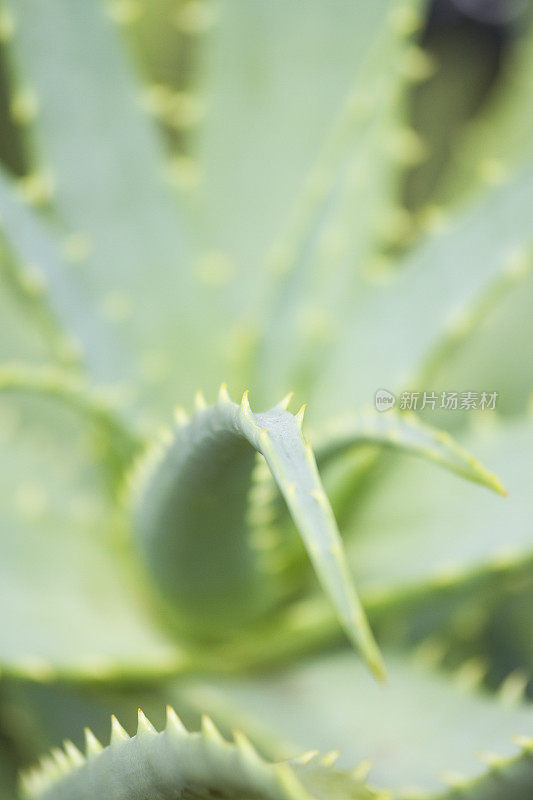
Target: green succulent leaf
[
  {"x": 176, "y": 763},
  {"x": 429, "y": 559},
  {"x": 503, "y": 125},
  {"x": 118, "y": 440},
  {"x": 371, "y": 354},
  {"x": 86, "y": 333},
  {"x": 369, "y": 434},
  {"x": 422, "y": 728},
  {"x": 27, "y": 331},
  {"x": 406, "y": 433},
  {"x": 315, "y": 121},
  {"x": 62, "y": 567},
  {"x": 183, "y": 518},
  {"x": 433, "y": 516},
  {"x": 118, "y": 221}
]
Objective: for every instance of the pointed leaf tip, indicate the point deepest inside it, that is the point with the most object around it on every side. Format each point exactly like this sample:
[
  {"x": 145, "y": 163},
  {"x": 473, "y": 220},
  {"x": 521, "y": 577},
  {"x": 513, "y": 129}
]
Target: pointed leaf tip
[
  {"x": 180, "y": 416},
  {"x": 174, "y": 722},
  {"x": 199, "y": 400},
  {"x": 300, "y": 415},
  {"x": 144, "y": 725},
  {"x": 118, "y": 734},
  {"x": 285, "y": 401},
  {"x": 245, "y": 746},
  {"x": 73, "y": 754},
  {"x": 210, "y": 730},
  {"x": 245, "y": 403},
  {"x": 330, "y": 758},
  {"x": 223, "y": 394},
  {"x": 92, "y": 745}
]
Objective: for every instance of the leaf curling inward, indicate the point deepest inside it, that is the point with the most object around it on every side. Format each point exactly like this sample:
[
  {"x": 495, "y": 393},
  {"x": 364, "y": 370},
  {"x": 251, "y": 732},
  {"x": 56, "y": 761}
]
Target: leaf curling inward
[
  {"x": 186, "y": 528},
  {"x": 175, "y": 762}
]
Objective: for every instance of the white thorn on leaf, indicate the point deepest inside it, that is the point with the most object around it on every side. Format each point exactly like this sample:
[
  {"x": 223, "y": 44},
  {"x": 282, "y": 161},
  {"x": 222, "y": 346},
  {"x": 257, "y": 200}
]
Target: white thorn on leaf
[
  {"x": 61, "y": 760},
  {"x": 180, "y": 416},
  {"x": 223, "y": 394},
  {"x": 92, "y": 745},
  {"x": 300, "y": 415},
  {"x": 144, "y": 726},
  {"x": 245, "y": 747},
  {"x": 199, "y": 400},
  {"x": 76, "y": 758},
  {"x": 330, "y": 758},
  {"x": 210, "y": 730},
  {"x": 285, "y": 401},
  {"x": 174, "y": 722},
  {"x": 118, "y": 734},
  {"x": 245, "y": 404}
]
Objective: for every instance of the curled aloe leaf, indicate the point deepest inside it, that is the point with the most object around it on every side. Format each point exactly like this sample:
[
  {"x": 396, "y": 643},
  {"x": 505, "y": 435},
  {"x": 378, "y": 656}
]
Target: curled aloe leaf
[
  {"x": 425, "y": 728},
  {"x": 118, "y": 441},
  {"x": 176, "y": 763},
  {"x": 190, "y": 499},
  {"x": 406, "y": 433}
]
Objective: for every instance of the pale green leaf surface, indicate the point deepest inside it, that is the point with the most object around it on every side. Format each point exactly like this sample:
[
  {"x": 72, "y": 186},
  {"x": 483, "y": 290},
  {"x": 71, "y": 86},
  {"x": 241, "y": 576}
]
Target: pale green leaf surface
[
  {"x": 265, "y": 128},
  {"x": 69, "y": 296},
  {"x": 343, "y": 216},
  {"x": 417, "y": 728},
  {"x": 182, "y": 516},
  {"x": 496, "y": 356},
  {"x": 61, "y": 570},
  {"x": 110, "y": 193},
  {"x": 391, "y": 336},
  {"x": 17, "y": 339},
  {"x": 117, "y": 441},
  {"x": 436, "y": 527}
]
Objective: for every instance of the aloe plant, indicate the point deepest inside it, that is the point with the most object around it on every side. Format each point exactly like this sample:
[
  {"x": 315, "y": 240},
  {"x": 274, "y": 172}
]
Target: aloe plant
[{"x": 202, "y": 245}]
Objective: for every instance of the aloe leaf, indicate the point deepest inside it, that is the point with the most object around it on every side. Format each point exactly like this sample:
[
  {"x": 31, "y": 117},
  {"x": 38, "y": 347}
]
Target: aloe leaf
[
  {"x": 481, "y": 359},
  {"x": 26, "y": 330},
  {"x": 503, "y": 126},
  {"x": 344, "y": 215},
  {"x": 455, "y": 545},
  {"x": 259, "y": 114},
  {"x": 119, "y": 220},
  {"x": 182, "y": 516},
  {"x": 175, "y": 763},
  {"x": 18, "y": 340},
  {"x": 505, "y": 777},
  {"x": 178, "y": 761},
  {"x": 403, "y": 432},
  {"x": 70, "y": 300},
  {"x": 422, "y": 727},
  {"x": 459, "y": 549},
  {"x": 62, "y": 567},
  {"x": 437, "y": 517},
  {"x": 367, "y": 434},
  {"x": 371, "y": 354},
  {"x": 118, "y": 441}
]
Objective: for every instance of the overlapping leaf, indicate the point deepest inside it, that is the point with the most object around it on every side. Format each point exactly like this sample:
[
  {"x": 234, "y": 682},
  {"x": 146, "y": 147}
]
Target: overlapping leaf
[
  {"x": 196, "y": 543},
  {"x": 63, "y": 571},
  {"x": 419, "y": 730},
  {"x": 175, "y": 762}
]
